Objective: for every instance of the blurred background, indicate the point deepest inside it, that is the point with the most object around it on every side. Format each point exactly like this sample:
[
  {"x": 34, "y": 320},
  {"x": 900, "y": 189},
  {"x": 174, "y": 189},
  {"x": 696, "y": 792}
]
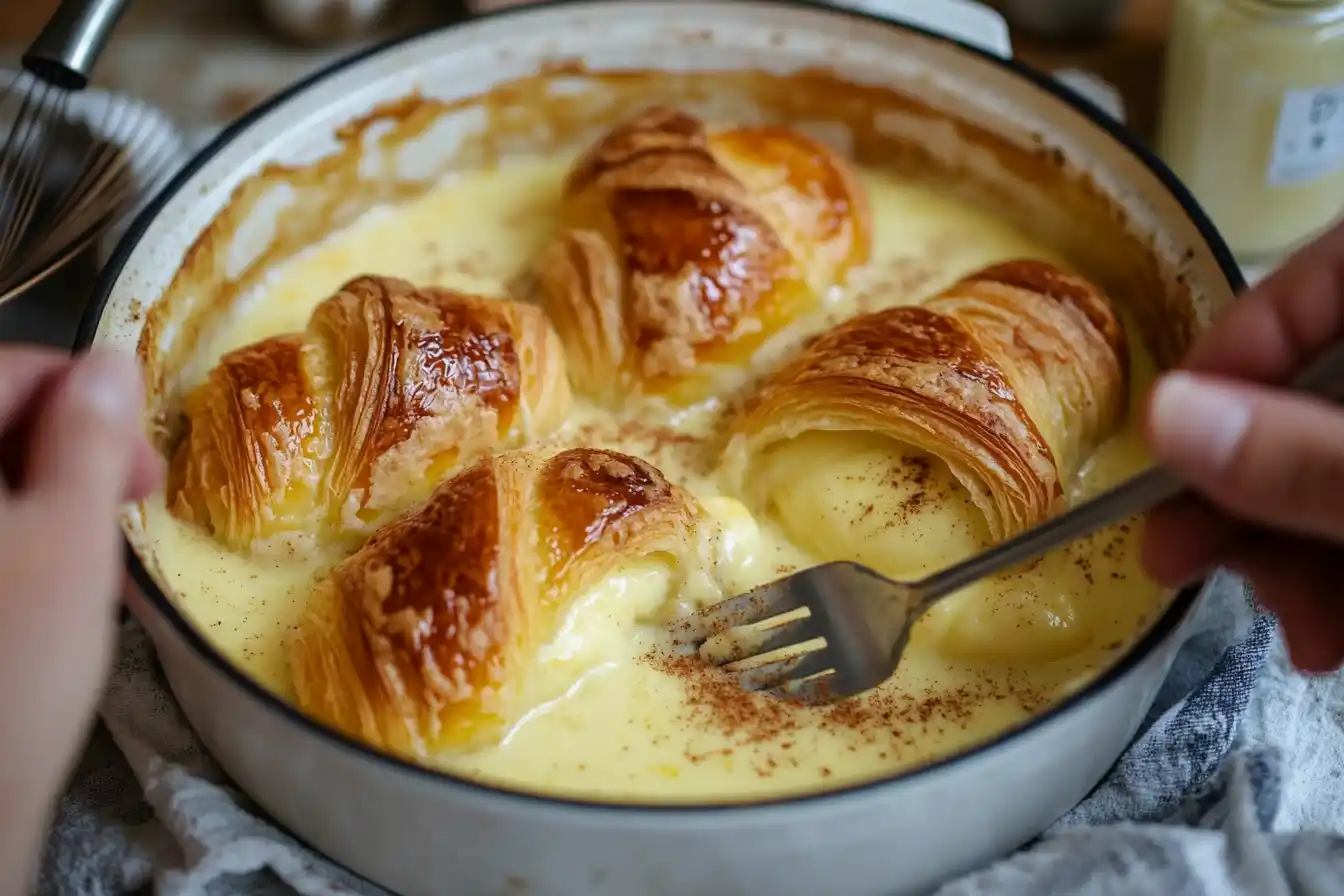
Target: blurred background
[
  {"x": 1244, "y": 99},
  {"x": 205, "y": 62}
]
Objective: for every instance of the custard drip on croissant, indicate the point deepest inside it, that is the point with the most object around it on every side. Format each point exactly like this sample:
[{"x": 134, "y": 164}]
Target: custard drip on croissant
[
  {"x": 421, "y": 640},
  {"x": 387, "y": 391},
  {"x": 1010, "y": 377},
  {"x": 684, "y": 247}
]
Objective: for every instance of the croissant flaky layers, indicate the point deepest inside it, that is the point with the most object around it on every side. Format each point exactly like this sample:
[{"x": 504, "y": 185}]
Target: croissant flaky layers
[
  {"x": 684, "y": 247},
  {"x": 387, "y": 391},
  {"x": 421, "y": 640},
  {"x": 1011, "y": 376}
]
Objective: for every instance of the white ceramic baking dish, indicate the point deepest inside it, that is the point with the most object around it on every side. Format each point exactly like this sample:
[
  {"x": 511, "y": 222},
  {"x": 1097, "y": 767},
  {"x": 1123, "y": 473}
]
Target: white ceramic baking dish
[{"x": 383, "y": 124}]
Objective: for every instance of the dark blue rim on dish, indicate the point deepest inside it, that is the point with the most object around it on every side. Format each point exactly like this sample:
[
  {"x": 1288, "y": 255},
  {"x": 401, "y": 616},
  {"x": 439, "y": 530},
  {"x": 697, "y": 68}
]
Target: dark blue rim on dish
[{"x": 1166, "y": 624}]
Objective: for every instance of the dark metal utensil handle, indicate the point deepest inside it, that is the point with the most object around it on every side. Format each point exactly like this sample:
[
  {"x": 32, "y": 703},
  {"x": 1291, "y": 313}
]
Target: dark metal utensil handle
[
  {"x": 1324, "y": 379},
  {"x": 67, "y": 49}
]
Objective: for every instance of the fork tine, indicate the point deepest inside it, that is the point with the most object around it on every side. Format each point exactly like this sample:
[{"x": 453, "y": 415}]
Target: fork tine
[
  {"x": 812, "y": 691},
  {"x": 754, "y": 606},
  {"x": 746, "y": 645},
  {"x": 780, "y": 673}
]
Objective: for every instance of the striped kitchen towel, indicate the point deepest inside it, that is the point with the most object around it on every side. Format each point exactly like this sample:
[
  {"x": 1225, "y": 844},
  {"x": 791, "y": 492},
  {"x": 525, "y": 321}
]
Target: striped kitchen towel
[{"x": 1234, "y": 788}]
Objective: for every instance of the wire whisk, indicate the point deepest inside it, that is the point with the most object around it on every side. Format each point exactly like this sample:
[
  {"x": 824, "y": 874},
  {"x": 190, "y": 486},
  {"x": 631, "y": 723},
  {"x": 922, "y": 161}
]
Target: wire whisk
[{"x": 74, "y": 163}]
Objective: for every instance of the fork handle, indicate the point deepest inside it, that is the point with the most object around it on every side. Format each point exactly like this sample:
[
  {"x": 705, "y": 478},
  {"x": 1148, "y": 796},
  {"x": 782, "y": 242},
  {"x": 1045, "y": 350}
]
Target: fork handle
[{"x": 1324, "y": 378}]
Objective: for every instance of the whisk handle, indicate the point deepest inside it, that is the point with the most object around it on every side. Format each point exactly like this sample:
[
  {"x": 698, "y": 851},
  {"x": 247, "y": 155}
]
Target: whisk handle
[{"x": 66, "y": 51}]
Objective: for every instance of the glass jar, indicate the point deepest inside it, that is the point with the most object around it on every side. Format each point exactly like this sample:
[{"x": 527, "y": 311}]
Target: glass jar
[{"x": 1253, "y": 117}]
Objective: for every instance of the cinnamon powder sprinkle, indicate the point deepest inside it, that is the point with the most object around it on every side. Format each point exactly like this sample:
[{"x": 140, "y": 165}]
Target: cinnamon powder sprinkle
[
  {"x": 766, "y": 728},
  {"x": 655, "y": 443},
  {"x": 715, "y": 699}
]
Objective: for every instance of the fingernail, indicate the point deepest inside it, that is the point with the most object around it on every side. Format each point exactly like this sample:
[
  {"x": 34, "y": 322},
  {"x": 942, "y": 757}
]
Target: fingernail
[
  {"x": 107, "y": 383},
  {"x": 1197, "y": 423}
]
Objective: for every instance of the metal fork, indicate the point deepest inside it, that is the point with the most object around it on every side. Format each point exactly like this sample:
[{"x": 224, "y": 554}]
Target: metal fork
[{"x": 863, "y": 618}]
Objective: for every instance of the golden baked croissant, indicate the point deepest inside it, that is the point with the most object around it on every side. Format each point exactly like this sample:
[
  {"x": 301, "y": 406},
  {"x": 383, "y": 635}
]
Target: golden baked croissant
[
  {"x": 684, "y": 248},
  {"x": 421, "y": 641},
  {"x": 948, "y": 425},
  {"x": 387, "y": 391}
]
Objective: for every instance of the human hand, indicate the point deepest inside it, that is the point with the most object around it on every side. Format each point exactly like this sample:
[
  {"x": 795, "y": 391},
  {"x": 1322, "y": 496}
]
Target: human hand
[
  {"x": 1268, "y": 466},
  {"x": 72, "y": 450}
]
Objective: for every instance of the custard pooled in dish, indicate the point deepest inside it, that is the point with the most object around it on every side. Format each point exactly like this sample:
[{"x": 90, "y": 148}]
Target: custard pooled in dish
[
  {"x": 389, "y": 389},
  {"x": 684, "y": 250},
  {"x": 911, "y": 437},
  {"x": 506, "y": 623},
  {"x": 421, "y": 641}
]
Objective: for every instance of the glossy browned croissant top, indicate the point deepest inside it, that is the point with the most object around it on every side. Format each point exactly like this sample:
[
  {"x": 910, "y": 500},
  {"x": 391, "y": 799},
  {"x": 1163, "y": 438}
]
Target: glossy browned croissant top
[
  {"x": 421, "y": 640},
  {"x": 685, "y": 247},
  {"x": 385, "y": 393},
  {"x": 1012, "y": 376}
]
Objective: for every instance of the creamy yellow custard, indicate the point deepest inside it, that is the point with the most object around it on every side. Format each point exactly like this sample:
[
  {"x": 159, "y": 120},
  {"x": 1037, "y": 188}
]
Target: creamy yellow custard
[{"x": 615, "y": 718}]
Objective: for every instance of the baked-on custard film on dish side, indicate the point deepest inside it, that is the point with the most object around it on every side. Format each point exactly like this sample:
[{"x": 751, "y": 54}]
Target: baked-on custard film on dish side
[{"x": 452, "y": 524}]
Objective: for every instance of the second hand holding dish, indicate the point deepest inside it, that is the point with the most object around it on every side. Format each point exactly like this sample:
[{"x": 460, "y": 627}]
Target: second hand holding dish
[{"x": 862, "y": 619}]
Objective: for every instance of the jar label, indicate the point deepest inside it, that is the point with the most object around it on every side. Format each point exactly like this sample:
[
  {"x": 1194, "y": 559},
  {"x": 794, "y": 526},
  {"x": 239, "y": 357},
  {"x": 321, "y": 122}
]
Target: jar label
[{"x": 1309, "y": 136}]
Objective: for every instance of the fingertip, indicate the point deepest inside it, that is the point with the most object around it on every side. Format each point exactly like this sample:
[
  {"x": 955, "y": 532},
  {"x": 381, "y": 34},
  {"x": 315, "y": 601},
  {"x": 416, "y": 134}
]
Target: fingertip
[
  {"x": 108, "y": 384},
  {"x": 86, "y": 435},
  {"x": 1196, "y": 423},
  {"x": 147, "y": 472}
]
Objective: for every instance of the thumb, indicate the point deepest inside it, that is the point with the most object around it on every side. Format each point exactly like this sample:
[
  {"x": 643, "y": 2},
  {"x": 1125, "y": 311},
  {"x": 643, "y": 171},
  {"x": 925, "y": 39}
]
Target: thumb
[
  {"x": 84, "y": 441},
  {"x": 1262, "y": 454}
]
